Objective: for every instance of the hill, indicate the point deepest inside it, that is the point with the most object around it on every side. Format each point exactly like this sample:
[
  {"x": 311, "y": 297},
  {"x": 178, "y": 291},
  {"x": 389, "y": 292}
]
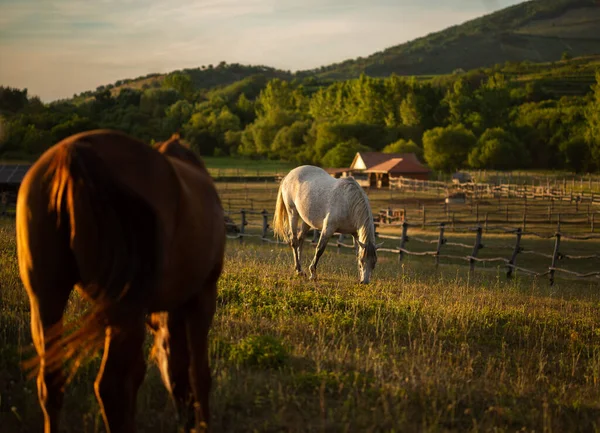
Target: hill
[
  {"x": 203, "y": 78},
  {"x": 538, "y": 31}
]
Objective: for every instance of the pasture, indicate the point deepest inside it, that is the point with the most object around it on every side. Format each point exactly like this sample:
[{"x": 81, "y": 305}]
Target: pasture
[
  {"x": 418, "y": 349},
  {"x": 229, "y": 166}
]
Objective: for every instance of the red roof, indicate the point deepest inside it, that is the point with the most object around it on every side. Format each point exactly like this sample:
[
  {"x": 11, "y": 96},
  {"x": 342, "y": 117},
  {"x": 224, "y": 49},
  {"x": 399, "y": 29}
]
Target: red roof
[
  {"x": 371, "y": 159},
  {"x": 407, "y": 164}
]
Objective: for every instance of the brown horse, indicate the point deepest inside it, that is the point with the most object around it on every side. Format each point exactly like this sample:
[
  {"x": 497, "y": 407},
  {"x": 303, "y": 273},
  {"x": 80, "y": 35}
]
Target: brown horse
[{"x": 139, "y": 231}]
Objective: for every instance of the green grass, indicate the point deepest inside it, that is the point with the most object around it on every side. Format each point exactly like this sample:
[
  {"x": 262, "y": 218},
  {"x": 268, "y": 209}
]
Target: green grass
[
  {"x": 419, "y": 349},
  {"x": 232, "y": 166}
]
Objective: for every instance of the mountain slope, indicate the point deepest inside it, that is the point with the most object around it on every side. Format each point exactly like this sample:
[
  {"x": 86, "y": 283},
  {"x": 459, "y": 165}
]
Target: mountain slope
[
  {"x": 203, "y": 78},
  {"x": 538, "y": 30}
]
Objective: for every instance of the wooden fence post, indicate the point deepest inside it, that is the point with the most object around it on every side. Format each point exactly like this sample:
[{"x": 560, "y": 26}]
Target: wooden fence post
[
  {"x": 403, "y": 240},
  {"x": 441, "y": 241},
  {"x": 516, "y": 251},
  {"x": 265, "y": 225},
  {"x": 555, "y": 257},
  {"x": 478, "y": 245},
  {"x": 424, "y": 217},
  {"x": 486, "y": 222},
  {"x": 525, "y": 221},
  {"x": 243, "y": 225},
  {"x": 593, "y": 218},
  {"x": 506, "y": 213}
]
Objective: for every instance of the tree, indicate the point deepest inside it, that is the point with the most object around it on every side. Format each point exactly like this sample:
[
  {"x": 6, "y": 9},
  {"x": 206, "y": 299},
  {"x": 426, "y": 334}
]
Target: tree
[
  {"x": 404, "y": 146},
  {"x": 592, "y": 116},
  {"x": 409, "y": 111},
  {"x": 12, "y": 100},
  {"x": 493, "y": 104},
  {"x": 459, "y": 100},
  {"x": 177, "y": 115},
  {"x": 499, "y": 150},
  {"x": 576, "y": 153},
  {"x": 447, "y": 148},
  {"x": 180, "y": 82},
  {"x": 289, "y": 141},
  {"x": 342, "y": 154}
]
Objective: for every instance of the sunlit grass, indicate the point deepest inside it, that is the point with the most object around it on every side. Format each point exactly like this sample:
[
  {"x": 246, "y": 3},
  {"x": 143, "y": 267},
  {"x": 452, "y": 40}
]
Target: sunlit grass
[{"x": 419, "y": 349}]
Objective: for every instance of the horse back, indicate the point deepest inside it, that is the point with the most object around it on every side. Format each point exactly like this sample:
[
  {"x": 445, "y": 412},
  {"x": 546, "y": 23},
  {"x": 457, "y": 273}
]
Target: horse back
[{"x": 133, "y": 164}]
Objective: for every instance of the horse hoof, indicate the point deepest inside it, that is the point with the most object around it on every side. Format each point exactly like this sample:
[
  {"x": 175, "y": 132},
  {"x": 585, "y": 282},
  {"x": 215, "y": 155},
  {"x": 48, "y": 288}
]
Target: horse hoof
[{"x": 300, "y": 274}]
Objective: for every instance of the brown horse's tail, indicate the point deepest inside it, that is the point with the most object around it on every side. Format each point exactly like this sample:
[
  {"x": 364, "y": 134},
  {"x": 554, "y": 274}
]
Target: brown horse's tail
[
  {"x": 281, "y": 223},
  {"x": 115, "y": 238}
]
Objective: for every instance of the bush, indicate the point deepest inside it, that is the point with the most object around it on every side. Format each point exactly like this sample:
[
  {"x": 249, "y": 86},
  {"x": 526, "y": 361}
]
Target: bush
[
  {"x": 447, "y": 149},
  {"x": 498, "y": 150},
  {"x": 259, "y": 350}
]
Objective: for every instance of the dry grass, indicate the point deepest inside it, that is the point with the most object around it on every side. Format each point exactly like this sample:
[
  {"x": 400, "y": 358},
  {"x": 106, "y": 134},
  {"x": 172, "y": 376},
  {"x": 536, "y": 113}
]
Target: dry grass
[{"x": 416, "y": 350}]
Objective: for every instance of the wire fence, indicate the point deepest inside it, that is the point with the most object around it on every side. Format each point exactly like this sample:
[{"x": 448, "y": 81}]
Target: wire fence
[{"x": 507, "y": 254}]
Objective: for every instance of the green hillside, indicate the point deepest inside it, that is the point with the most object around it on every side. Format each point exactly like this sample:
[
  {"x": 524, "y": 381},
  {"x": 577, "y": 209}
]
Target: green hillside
[
  {"x": 204, "y": 78},
  {"x": 538, "y": 31}
]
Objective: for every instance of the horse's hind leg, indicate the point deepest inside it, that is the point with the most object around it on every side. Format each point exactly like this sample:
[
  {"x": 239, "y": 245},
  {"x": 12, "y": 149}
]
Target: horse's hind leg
[
  {"x": 326, "y": 233},
  {"x": 121, "y": 374},
  {"x": 199, "y": 315},
  {"x": 303, "y": 231},
  {"x": 48, "y": 273},
  {"x": 172, "y": 356},
  {"x": 46, "y": 328}
]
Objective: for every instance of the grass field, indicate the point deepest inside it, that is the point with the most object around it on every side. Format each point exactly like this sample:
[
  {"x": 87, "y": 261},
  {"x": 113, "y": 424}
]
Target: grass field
[{"x": 419, "y": 349}]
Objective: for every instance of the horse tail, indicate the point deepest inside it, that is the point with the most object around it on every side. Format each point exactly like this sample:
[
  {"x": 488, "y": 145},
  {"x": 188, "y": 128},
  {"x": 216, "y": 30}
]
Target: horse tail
[
  {"x": 114, "y": 235},
  {"x": 281, "y": 223}
]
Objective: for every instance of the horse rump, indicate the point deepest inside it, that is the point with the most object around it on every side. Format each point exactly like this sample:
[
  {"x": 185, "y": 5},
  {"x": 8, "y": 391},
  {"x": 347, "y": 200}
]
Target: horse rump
[{"x": 114, "y": 236}]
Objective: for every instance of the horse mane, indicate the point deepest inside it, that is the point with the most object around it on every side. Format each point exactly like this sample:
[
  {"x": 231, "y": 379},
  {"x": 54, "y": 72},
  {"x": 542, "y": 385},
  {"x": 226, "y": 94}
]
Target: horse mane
[
  {"x": 360, "y": 210},
  {"x": 176, "y": 148}
]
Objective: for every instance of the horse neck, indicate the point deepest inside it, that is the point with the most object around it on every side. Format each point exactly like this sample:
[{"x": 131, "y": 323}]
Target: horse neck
[{"x": 364, "y": 219}]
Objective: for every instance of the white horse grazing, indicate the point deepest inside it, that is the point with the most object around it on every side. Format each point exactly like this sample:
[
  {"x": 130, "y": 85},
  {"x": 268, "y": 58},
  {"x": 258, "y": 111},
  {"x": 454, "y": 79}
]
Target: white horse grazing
[{"x": 326, "y": 204}]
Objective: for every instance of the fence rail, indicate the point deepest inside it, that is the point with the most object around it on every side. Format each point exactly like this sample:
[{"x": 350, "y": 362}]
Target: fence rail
[{"x": 248, "y": 219}]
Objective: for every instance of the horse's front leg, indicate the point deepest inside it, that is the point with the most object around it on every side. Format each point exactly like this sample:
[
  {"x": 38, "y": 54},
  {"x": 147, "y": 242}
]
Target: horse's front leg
[
  {"x": 321, "y": 245},
  {"x": 303, "y": 231}
]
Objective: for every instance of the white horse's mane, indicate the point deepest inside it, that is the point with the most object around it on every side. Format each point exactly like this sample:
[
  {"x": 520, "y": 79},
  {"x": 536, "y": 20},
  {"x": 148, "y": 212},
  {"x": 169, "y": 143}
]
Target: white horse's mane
[{"x": 360, "y": 210}]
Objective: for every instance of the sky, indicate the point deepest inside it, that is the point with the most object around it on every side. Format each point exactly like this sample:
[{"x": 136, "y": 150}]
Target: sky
[{"x": 56, "y": 48}]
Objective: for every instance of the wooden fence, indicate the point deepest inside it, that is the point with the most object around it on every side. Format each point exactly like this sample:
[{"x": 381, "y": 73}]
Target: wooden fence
[
  {"x": 526, "y": 214},
  {"x": 563, "y": 191},
  {"x": 260, "y": 220}
]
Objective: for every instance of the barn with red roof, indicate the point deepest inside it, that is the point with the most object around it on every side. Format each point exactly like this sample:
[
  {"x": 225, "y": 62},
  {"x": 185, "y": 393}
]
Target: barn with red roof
[{"x": 381, "y": 167}]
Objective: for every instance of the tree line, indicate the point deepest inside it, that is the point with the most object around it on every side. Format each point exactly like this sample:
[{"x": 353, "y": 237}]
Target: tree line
[{"x": 480, "y": 119}]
